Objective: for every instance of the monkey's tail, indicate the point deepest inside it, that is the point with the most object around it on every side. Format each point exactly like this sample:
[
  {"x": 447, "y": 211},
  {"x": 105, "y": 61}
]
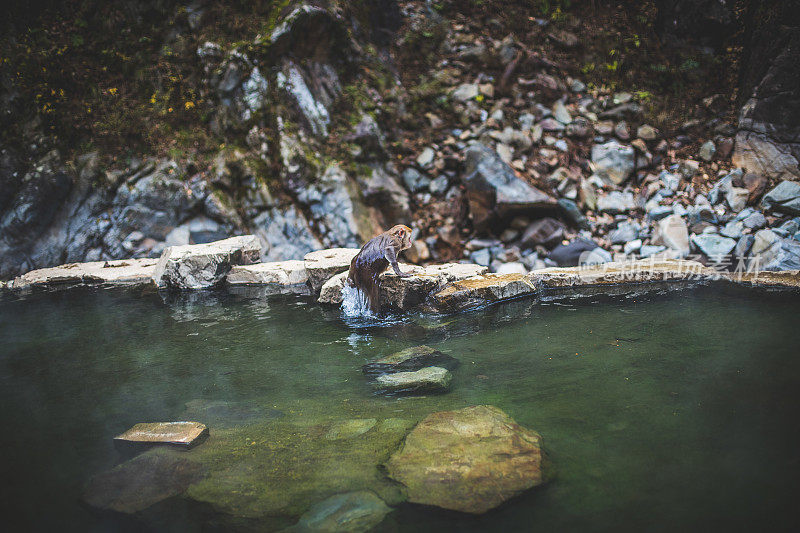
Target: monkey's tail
[{"x": 370, "y": 286}]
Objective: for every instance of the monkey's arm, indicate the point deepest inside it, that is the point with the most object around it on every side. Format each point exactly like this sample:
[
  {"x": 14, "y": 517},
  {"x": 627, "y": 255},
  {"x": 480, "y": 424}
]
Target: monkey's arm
[{"x": 391, "y": 255}]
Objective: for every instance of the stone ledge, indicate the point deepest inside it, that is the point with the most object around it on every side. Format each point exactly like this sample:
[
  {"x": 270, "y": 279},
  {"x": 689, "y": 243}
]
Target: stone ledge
[
  {"x": 125, "y": 271},
  {"x": 280, "y": 277}
]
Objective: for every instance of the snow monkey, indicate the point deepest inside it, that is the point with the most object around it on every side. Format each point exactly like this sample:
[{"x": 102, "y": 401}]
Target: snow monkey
[{"x": 372, "y": 260}]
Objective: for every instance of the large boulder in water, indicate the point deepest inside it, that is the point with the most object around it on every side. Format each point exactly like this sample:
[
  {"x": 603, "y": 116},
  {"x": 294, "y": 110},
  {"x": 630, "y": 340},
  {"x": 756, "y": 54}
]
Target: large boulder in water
[
  {"x": 470, "y": 460},
  {"x": 199, "y": 266},
  {"x": 494, "y": 189}
]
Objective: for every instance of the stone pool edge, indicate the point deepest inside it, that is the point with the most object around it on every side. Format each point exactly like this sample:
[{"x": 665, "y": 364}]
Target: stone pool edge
[{"x": 450, "y": 287}]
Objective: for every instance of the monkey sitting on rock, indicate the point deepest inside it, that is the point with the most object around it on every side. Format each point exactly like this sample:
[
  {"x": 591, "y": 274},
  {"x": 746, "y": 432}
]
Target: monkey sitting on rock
[{"x": 372, "y": 260}]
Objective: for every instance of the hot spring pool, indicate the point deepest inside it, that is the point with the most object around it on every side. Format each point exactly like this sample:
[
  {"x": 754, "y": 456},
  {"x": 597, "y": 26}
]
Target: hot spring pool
[{"x": 664, "y": 412}]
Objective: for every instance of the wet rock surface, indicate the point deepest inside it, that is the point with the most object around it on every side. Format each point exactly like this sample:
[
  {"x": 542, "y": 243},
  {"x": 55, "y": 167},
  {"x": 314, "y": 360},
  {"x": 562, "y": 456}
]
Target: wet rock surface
[
  {"x": 410, "y": 359},
  {"x": 424, "y": 380},
  {"x": 128, "y": 271},
  {"x": 204, "y": 265},
  {"x": 142, "y": 482},
  {"x": 470, "y": 460},
  {"x": 281, "y": 277},
  {"x": 404, "y": 293},
  {"x": 185, "y": 434},
  {"x": 354, "y": 512}
]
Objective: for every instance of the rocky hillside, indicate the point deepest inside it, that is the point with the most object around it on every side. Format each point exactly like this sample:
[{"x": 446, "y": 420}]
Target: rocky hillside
[{"x": 508, "y": 134}]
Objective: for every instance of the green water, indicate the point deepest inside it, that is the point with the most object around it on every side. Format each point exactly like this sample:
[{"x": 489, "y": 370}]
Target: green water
[{"x": 665, "y": 412}]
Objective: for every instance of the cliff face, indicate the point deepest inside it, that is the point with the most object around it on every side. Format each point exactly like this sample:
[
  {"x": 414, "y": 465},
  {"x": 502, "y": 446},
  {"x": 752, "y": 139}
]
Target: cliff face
[
  {"x": 273, "y": 99},
  {"x": 498, "y": 134}
]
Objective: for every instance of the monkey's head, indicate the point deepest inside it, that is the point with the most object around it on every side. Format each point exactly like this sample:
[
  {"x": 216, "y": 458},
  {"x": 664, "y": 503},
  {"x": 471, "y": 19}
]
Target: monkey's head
[{"x": 403, "y": 235}]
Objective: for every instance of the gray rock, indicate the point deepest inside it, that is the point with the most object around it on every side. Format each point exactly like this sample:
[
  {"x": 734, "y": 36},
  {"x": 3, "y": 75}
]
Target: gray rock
[
  {"x": 285, "y": 234},
  {"x": 616, "y": 202},
  {"x": 281, "y": 277},
  {"x": 493, "y": 188},
  {"x": 546, "y": 232},
  {"x": 425, "y": 158},
  {"x": 785, "y": 198},
  {"x": 707, "y": 151},
  {"x": 481, "y": 257},
  {"x": 755, "y": 221},
  {"x": 414, "y": 180},
  {"x": 313, "y": 109},
  {"x": 141, "y": 482},
  {"x": 732, "y": 229},
  {"x": 673, "y": 233},
  {"x": 570, "y": 254},
  {"x": 714, "y": 246},
  {"x": 613, "y": 161},
  {"x": 595, "y": 257},
  {"x": 632, "y": 246},
  {"x": 353, "y": 512},
  {"x": 560, "y": 113},
  {"x": 322, "y": 265},
  {"x": 737, "y": 198},
  {"x": 514, "y": 267},
  {"x": 428, "y": 379},
  {"x": 743, "y": 247},
  {"x": 788, "y": 228},
  {"x": 199, "y": 266},
  {"x": 671, "y": 181},
  {"x": 648, "y": 250},
  {"x": 465, "y": 91},
  {"x": 439, "y": 185},
  {"x": 624, "y": 232},
  {"x": 659, "y": 211},
  {"x": 771, "y": 252},
  {"x": 647, "y": 132},
  {"x": 573, "y": 213},
  {"x": 409, "y": 360}
]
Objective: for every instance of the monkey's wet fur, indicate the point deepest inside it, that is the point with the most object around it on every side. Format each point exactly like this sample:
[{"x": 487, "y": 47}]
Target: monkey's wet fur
[{"x": 380, "y": 252}]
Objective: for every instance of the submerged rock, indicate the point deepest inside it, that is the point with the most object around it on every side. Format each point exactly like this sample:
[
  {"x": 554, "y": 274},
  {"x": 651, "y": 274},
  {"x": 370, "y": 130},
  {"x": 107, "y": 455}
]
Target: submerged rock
[
  {"x": 184, "y": 434},
  {"x": 141, "y": 482},
  {"x": 470, "y": 460},
  {"x": 410, "y": 359},
  {"x": 348, "y": 429},
  {"x": 127, "y": 271},
  {"x": 198, "y": 266},
  {"x": 428, "y": 379},
  {"x": 282, "y": 277},
  {"x": 353, "y": 512},
  {"x": 322, "y": 265}
]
